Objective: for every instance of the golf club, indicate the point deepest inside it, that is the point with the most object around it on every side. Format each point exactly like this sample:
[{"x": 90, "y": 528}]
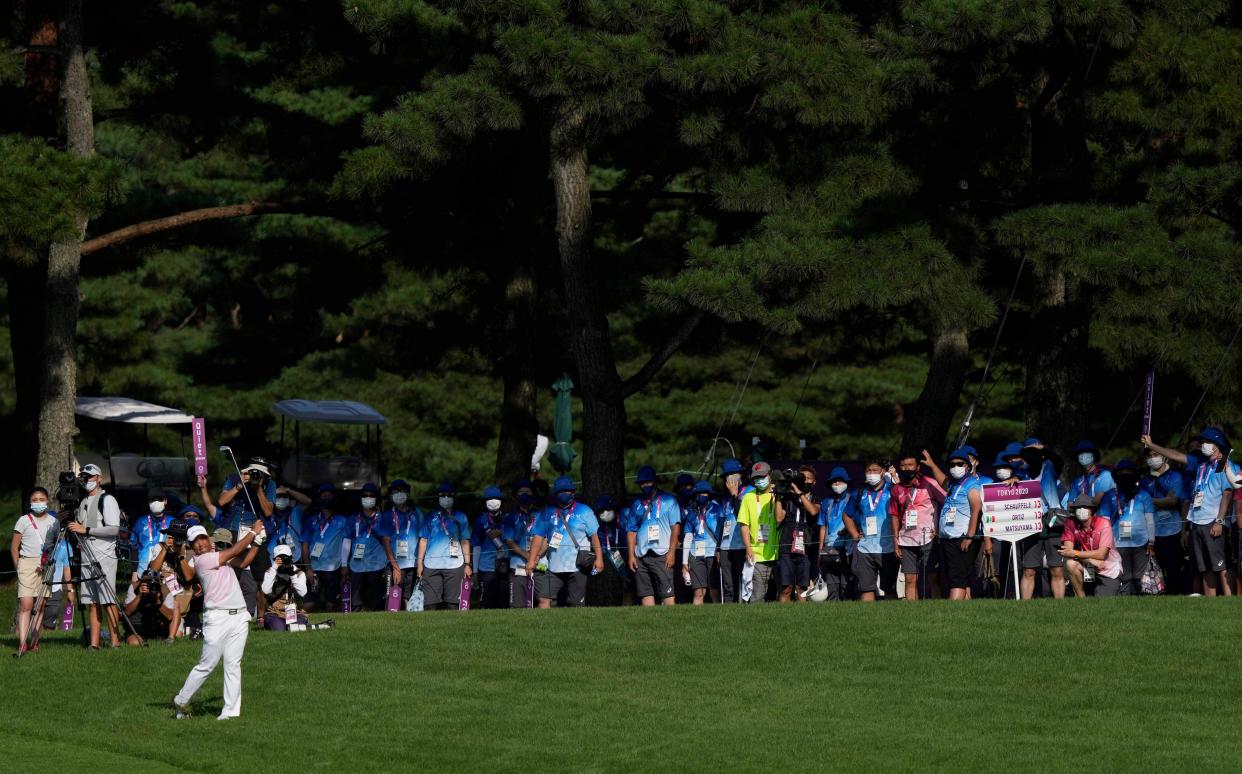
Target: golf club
[{"x": 241, "y": 481}]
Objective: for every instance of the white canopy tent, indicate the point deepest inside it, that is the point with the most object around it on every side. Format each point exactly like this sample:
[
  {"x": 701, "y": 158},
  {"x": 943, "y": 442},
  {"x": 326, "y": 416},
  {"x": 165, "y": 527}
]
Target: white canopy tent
[{"x": 131, "y": 470}]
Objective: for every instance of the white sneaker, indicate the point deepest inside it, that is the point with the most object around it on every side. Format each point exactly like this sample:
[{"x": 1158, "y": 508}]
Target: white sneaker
[
  {"x": 180, "y": 711},
  {"x": 223, "y": 716}
]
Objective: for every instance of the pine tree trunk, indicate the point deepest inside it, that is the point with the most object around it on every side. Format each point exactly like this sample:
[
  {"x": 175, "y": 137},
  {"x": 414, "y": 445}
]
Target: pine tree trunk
[
  {"x": 927, "y": 423},
  {"x": 1056, "y": 375},
  {"x": 56, "y": 418},
  {"x": 518, "y": 424},
  {"x": 603, "y": 405}
]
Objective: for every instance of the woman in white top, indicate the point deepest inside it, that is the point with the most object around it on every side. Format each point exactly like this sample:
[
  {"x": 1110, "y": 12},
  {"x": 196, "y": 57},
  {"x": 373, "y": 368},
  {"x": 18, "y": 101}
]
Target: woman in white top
[{"x": 30, "y": 536}]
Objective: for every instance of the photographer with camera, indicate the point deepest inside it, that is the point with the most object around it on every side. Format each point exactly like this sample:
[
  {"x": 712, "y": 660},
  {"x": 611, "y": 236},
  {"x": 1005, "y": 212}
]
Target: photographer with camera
[
  {"x": 97, "y": 525},
  {"x": 234, "y": 507},
  {"x": 801, "y": 506},
  {"x": 144, "y": 609},
  {"x": 147, "y": 532},
  {"x": 284, "y": 585},
  {"x": 30, "y": 539},
  {"x": 225, "y": 622},
  {"x": 326, "y": 540},
  {"x": 175, "y": 589}
]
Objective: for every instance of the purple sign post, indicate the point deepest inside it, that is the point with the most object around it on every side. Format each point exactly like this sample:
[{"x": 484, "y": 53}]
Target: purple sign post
[
  {"x": 1011, "y": 513},
  {"x": 1149, "y": 389},
  {"x": 198, "y": 431}
]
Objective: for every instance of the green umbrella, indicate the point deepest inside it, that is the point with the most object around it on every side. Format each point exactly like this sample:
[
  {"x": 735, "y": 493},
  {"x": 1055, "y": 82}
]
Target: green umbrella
[{"x": 561, "y": 453}]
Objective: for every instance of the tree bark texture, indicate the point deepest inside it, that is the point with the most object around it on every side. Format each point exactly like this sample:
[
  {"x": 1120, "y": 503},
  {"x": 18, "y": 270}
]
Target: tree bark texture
[
  {"x": 1056, "y": 377},
  {"x": 518, "y": 423},
  {"x": 180, "y": 220},
  {"x": 603, "y": 404},
  {"x": 59, "y": 394},
  {"x": 927, "y": 423}
]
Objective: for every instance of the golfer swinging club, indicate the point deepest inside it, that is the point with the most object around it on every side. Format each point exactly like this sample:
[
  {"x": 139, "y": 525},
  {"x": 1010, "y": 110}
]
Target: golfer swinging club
[{"x": 226, "y": 622}]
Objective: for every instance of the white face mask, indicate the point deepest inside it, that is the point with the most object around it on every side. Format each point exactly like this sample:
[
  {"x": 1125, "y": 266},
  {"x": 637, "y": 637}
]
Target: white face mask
[
  {"x": 761, "y": 483},
  {"x": 873, "y": 479},
  {"x": 607, "y": 516},
  {"x": 1207, "y": 449},
  {"x": 446, "y": 502},
  {"x": 1155, "y": 462},
  {"x": 39, "y": 507},
  {"x": 368, "y": 503},
  {"x": 493, "y": 505},
  {"x": 399, "y": 498},
  {"x": 281, "y": 503},
  {"x": 92, "y": 485},
  {"x": 957, "y": 471},
  {"x": 1083, "y": 514},
  {"x": 840, "y": 487},
  {"x": 1004, "y": 474},
  {"x": 156, "y": 506},
  {"x": 1085, "y": 459}
]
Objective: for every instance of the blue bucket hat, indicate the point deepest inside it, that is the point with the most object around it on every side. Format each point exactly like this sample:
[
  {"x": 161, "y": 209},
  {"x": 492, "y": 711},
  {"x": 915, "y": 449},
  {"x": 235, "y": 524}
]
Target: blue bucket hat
[
  {"x": 1125, "y": 467},
  {"x": 960, "y": 454},
  {"x": 446, "y": 487},
  {"x": 563, "y": 484},
  {"x": 839, "y": 474},
  {"x": 191, "y": 510},
  {"x": 968, "y": 449},
  {"x": 524, "y": 484},
  {"x": 1013, "y": 449},
  {"x": 369, "y": 488},
  {"x": 731, "y": 466},
  {"x": 645, "y": 473},
  {"x": 1086, "y": 446},
  {"x": 1032, "y": 441},
  {"x": 702, "y": 486},
  {"x": 604, "y": 503},
  {"x": 1214, "y": 435},
  {"x": 684, "y": 479},
  {"x": 327, "y": 486},
  {"x": 396, "y": 484},
  {"x": 493, "y": 493}
]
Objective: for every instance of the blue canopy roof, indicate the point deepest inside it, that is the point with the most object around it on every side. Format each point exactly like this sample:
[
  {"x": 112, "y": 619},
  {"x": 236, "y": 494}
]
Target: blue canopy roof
[{"x": 336, "y": 412}]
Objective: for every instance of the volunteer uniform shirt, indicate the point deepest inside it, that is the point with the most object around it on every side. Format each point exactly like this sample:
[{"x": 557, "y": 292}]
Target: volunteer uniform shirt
[
  {"x": 652, "y": 522},
  {"x": 284, "y": 528},
  {"x": 758, "y": 513},
  {"x": 1050, "y": 487},
  {"x": 517, "y": 528},
  {"x": 955, "y": 512},
  {"x": 568, "y": 531},
  {"x": 1091, "y": 484},
  {"x": 146, "y": 535},
  {"x": 445, "y": 534},
  {"x": 915, "y": 508},
  {"x": 34, "y": 531},
  {"x": 401, "y": 527},
  {"x": 832, "y": 515},
  {"x": 612, "y": 537},
  {"x": 730, "y": 535},
  {"x": 366, "y": 551},
  {"x": 488, "y": 552},
  {"x": 1100, "y": 535},
  {"x": 1209, "y": 487},
  {"x": 870, "y": 513},
  {"x": 220, "y": 588},
  {"x": 1168, "y": 484},
  {"x": 1132, "y": 518},
  {"x": 701, "y": 528},
  {"x": 329, "y": 539},
  {"x": 238, "y": 512}
]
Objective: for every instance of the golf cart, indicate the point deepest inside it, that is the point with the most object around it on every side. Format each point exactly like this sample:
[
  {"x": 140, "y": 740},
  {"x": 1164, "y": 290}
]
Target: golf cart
[
  {"x": 307, "y": 471},
  {"x": 131, "y": 473}
]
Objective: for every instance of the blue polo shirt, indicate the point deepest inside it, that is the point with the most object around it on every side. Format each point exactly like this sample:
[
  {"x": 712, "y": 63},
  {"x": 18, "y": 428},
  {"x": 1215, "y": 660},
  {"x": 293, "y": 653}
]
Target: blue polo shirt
[
  {"x": 701, "y": 527},
  {"x": 1167, "y": 484},
  {"x": 146, "y": 535},
  {"x": 446, "y": 533},
  {"x": 955, "y": 513},
  {"x": 488, "y": 553},
  {"x": 1091, "y": 484},
  {"x": 285, "y": 528},
  {"x": 518, "y": 525},
  {"x": 871, "y": 503},
  {"x": 402, "y": 526},
  {"x": 651, "y": 522},
  {"x": 324, "y": 536},
  {"x": 1132, "y": 518},
  {"x": 1208, "y": 487},
  {"x": 568, "y": 531},
  {"x": 832, "y": 515},
  {"x": 366, "y": 550},
  {"x": 238, "y": 512}
]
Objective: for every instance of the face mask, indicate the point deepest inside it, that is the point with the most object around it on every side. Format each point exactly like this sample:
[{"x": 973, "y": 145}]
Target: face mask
[
  {"x": 399, "y": 498},
  {"x": 1083, "y": 514},
  {"x": 368, "y": 503},
  {"x": 446, "y": 502},
  {"x": 762, "y": 483},
  {"x": 1207, "y": 449},
  {"x": 957, "y": 471},
  {"x": 493, "y": 505},
  {"x": 92, "y": 485},
  {"x": 325, "y": 503},
  {"x": 839, "y": 487},
  {"x": 907, "y": 475},
  {"x": 1127, "y": 486},
  {"x": 156, "y": 506},
  {"x": 1004, "y": 474},
  {"x": 1085, "y": 459},
  {"x": 525, "y": 498},
  {"x": 703, "y": 499},
  {"x": 1155, "y": 463},
  {"x": 564, "y": 498},
  {"x": 281, "y": 503},
  {"x": 873, "y": 479},
  {"x": 606, "y": 516},
  {"x": 38, "y": 507},
  {"x": 647, "y": 490}
]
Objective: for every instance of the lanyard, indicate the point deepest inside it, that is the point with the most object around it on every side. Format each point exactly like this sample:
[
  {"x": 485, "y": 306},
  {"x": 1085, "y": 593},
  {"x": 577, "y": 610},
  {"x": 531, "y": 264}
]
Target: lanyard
[
  {"x": 1204, "y": 473},
  {"x": 703, "y": 519},
  {"x": 358, "y": 522},
  {"x": 1088, "y": 483},
  {"x": 325, "y": 521},
  {"x": 647, "y": 505},
  {"x": 440, "y": 516},
  {"x": 150, "y": 537},
  {"x": 873, "y": 503},
  {"x": 1121, "y": 505}
]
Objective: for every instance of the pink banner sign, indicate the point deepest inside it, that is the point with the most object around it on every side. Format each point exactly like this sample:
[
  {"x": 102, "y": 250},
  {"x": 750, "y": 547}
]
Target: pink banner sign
[{"x": 198, "y": 431}]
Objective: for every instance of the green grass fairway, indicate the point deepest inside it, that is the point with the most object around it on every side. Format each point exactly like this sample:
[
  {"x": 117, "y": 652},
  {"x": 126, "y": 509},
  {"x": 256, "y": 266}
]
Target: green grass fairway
[{"x": 1121, "y": 684}]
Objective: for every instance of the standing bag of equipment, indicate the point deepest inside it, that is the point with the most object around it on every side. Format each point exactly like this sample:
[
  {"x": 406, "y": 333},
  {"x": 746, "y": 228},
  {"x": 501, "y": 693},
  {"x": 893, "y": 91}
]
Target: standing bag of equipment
[{"x": 1152, "y": 582}]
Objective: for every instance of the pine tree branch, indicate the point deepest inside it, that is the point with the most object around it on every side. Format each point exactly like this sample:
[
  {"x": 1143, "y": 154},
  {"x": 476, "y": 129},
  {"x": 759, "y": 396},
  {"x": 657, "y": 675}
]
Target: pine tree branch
[
  {"x": 640, "y": 379},
  {"x": 180, "y": 220}
]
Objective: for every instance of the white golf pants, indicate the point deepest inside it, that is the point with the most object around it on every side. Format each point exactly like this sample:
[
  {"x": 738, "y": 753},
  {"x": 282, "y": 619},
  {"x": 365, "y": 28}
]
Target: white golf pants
[{"x": 224, "y": 637}]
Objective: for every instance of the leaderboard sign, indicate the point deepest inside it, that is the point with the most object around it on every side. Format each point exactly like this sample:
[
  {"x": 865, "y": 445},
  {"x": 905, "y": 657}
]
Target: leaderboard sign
[{"x": 1012, "y": 512}]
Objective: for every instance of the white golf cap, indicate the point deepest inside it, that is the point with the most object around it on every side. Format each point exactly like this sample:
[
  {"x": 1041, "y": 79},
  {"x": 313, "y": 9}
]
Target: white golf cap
[
  {"x": 92, "y": 470},
  {"x": 284, "y": 550},
  {"x": 195, "y": 533}
]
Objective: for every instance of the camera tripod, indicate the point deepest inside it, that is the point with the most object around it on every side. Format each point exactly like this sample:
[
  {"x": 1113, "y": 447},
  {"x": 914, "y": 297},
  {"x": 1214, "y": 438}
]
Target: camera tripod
[{"x": 82, "y": 559}]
